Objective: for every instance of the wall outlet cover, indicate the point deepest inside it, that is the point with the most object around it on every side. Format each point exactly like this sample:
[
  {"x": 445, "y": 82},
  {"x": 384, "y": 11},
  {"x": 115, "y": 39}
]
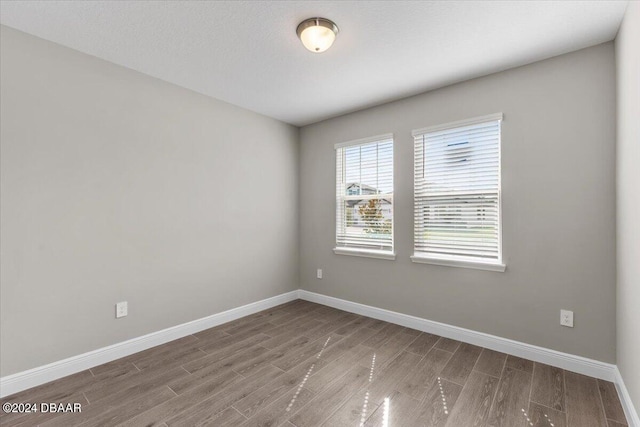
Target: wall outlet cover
[
  {"x": 566, "y": 318},
  {"x": 121, "y": 309}
]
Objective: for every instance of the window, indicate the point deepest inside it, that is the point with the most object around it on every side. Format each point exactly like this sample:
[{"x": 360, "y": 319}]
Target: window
[
  {"x": 457, "y": 218},
  {"x": 364, "y": 197}
]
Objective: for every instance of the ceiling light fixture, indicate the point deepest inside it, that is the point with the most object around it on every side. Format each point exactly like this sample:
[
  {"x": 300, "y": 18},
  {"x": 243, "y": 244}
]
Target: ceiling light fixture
[{"x": 317, "y": 34}]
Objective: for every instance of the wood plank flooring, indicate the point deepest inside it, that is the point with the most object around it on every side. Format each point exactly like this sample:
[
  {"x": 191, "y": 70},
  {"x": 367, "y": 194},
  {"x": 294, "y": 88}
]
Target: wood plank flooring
[{"x": 303, "y": 364}]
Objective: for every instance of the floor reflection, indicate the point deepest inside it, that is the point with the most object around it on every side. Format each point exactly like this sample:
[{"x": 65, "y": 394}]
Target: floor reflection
[
  {"x": 363, "y": 412},
  {"x": 546, "y": 417},
  {"x": 444, "y": 399},
  {"x": 385, "y": 413},
  {"x": 306, "y": 377}
]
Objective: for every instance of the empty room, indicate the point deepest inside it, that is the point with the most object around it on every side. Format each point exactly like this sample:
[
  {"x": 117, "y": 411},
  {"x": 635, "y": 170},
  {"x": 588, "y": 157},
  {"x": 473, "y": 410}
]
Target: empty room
[{"x": 320, "y": 213}]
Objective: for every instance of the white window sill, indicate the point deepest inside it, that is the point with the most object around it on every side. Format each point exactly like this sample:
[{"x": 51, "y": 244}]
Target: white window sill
[
  {"x": 448, "y": 262},
  {"x": 367, "y": 253}
]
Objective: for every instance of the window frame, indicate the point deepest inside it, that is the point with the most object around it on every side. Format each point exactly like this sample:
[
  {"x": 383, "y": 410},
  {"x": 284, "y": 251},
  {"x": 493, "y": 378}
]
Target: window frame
[
  {"x": 364, "y": 252},
  {"x": 457, "y": 260}
]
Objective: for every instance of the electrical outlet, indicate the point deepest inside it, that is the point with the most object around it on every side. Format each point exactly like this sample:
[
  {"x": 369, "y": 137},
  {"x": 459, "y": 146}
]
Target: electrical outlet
[
  {"x": 121, "y": 309},
  {"x": 319, "y": 274},
  {"x": 566, "y": 318}
]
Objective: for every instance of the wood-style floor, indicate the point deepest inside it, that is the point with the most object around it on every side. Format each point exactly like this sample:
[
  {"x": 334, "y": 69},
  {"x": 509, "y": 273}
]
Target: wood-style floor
[{"x": 304, "y": 364}]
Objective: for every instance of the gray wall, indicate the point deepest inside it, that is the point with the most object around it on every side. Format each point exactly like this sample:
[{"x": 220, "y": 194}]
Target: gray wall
[
  {"x": 117, "y": 186},
  {"x": 558, "y": 207},
  {"x": 628, "y": 200}
]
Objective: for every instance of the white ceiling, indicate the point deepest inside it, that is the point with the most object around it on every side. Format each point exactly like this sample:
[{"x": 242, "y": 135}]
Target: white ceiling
[{"x": 247, "y": 52}]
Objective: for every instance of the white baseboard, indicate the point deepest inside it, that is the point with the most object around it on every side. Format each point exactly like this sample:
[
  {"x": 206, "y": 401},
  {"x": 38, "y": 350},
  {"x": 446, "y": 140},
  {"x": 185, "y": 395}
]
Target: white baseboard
[
  {"x": 627, "y": 404},
  {"x": 23, "y": 380},
  {"x": 570, "y": 362},
  {"x": 11, "y": 384},
  {"x": 582, "y": 365}
]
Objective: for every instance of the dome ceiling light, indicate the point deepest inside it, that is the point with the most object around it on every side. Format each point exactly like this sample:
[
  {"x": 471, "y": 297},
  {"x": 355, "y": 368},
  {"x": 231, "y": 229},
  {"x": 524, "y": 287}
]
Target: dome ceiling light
[{"x": 317, "y": 34}]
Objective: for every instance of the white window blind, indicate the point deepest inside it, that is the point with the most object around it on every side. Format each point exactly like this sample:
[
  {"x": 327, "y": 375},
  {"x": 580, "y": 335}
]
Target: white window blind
[
  {"x": 457, "y": 191},
  {"x": 364, "y": 194}
]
